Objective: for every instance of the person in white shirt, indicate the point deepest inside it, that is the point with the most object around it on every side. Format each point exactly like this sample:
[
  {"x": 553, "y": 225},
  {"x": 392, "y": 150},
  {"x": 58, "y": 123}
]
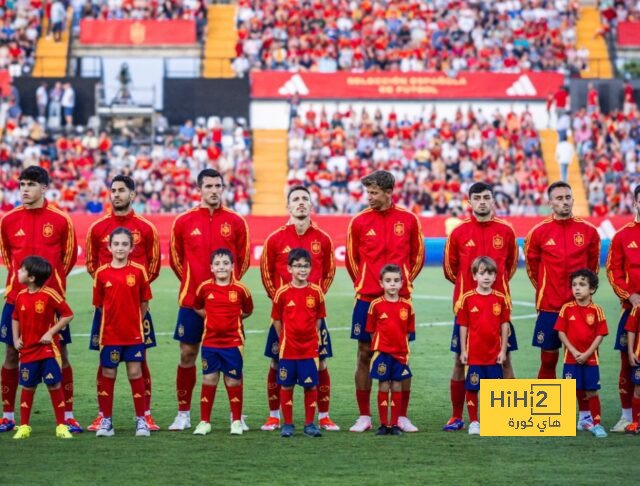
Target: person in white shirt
[{"x": 564, "y": 156}]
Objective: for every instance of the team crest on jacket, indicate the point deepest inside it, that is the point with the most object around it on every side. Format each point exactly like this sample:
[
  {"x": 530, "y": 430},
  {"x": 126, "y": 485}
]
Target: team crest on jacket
[
  {"x": 47, "y": 230},
  {"x": 131, "y": 280},
  {"x": 311, "y": 301},
  {"x": 498, "y": 242},
  {"x": 497, "y": 308},
  {"x": 233, "y": 296},
  {"x": 225, "y": 229},
  {"x": 404, "y": 314},
  {"x": 39, "y": 306},
  {"x": 136, "y": 236},
  {"x": 114, "y": 356},
  {"x": 578, "y": 239},
  {"x": 474, "y": 379},
  {"x": 315, "y": 247},
  {"x": 398, "y": 229},
  {"x": 591, "y": 319}
]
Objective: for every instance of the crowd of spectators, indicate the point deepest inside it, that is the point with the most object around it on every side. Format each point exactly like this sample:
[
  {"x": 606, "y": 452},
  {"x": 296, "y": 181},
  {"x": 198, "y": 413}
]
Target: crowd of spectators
[
  {"x": 433, "y": 160},
  {"x": 408, "y": 35},
  {"x": 20, "y": 27}
]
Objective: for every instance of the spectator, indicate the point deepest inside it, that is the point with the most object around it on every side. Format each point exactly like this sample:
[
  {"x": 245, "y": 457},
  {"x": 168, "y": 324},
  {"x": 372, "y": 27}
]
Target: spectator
[
  {"x": 42, "y": 100},
  {"x": 58, "y": 19},
  {"x": 68, "y": 103},
  {"x": 564, "y": 157}
]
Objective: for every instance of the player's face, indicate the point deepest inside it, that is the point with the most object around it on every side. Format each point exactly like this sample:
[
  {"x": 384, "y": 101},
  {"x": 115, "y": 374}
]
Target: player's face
[
  {"x": 120, "y": 247},
  {"x": 481, "y": 203},
  {"x": 23, "y": 276},
  {"x": 561, "y": 202},
  {"x": 300, "y": 269},
  {"x": 299, "y": 205},
  {"x": 221, "y": 267},
  {"x": 391, "y": 283},
  {"x": 121, "y": 196},
  {"x": 211, "y": 191},
  {"x": 377, "y": 198},
  {"x": 580, "y": 288},
  {"x": 31, "y": 192},
  {"x": 484, "y": 277}
]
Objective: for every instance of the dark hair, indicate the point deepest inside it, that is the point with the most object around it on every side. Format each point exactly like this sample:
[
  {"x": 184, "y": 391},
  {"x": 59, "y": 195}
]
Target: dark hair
[
  {"x": 208, "y": 173},
  {"x": 297, "y": 188},
  {"x": 478, "y": 187},
  {"x": 121, "y": 230},
  {"x": 381, "y": 178},
  {"x": 390, "y": 268},
  {"x": 591, "y": 277},
  {"x": 636, "y": 191},
  {"x": 35, "y": 173},
  {"x": 222, "y": 252},
  {"x": 556, "y": 185},
  {"x": 488, "y": 263},
  {"x": 128, "y": 181},
  {"x": 38, "y": 268},
  {"x": 298, "y": 254}
]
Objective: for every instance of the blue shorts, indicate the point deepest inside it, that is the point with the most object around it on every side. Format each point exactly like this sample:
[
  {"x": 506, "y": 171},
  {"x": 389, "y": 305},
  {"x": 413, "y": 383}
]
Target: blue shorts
[
  {"x": 587, "y": 376},
  {"x": 512, "y": 342},
  {"x": 6, "y": 330},
  {"x": 272, "y": 347},
  {"x": 477, "y": 373},
  {"x": 359, "y": 321},
  {"x": 67, "y": 111},
  {"x": 227, "y": 360},
  {"x": 147, "y": 325},
  {"x": 621, "y": 334},
  {"x": 544, "y": 335},
  {"x": 111, "y": 356},
  {"x": 385, "y": 367},
  {"x": 189, "y": 327},
  {"x": 303, "y": 372},
  {"x": 635, "y": 375},
  {"x": 47, "y": 370}
]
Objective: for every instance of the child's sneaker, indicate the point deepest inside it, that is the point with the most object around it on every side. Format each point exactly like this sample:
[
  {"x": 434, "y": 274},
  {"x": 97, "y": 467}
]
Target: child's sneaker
[
  {"x": 73, "y": 425},
  {"x": 598, "y": 431},
  {"x": 272, "y": 423},
  {"x": 327, "y": 424},
  {"x": 474, "y": 428},
  {"x": 236, "y": 427},
  {"x": 395, "y": 430},
  {"x": 142, "y": 429},
  {"x": 22, "y": 432},
  {"x": 203, "y": 428},
  {"x": 95, "y": 425},
  {"x": 63, "y": 432},
  {"x": 106, "y": 428},
  {"x": 312, "y": 430},
  {"x": 454, "y": 424},
  {"x": 621, "y": 425},
  {"x": 406, "y": 426},
  {"x": 363, "y": 423},
  {"x": 585, "y": 423},
  {"x": 153, "y": 427},
  {"x": 287, "y": 430},
  {"x": 7, "y": 425},
  {"x": 181, "y": 422},
  {"x": 632, "y": 428},
  {"x": 382, "y": 430}
]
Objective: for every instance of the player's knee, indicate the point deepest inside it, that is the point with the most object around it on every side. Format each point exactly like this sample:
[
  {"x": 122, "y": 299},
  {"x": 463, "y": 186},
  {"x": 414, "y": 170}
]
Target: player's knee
[
  {"x": 109, "y": 372},
  {"x": 405, "y": 385},
  {"x": 64, "y": 356},
  {"x": 274, "y": 364},
  {"x": 211, "y": 379},
  {"x": 232, "y": 382},
  {"x": 323, "y": 365},
  {"x": 134, "y": 370},
  {"x": 11, "y": 358},
  {"x": 54, "y": 386},
  {"x": 364, "y": 359},
  {"x": 188, "y": 356},
  {"x": 591, "y": 393}
]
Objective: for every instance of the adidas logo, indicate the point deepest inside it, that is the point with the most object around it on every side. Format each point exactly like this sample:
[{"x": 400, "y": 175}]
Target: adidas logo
[
  {"x": 108, "y": 284},
  {"x": 291, "y": 304},
  {"x": 572, "y": 318},
  {"x": 384, "y": 403},
  {"x": 633, "y": 244},
  {"x": 235, "y": 400},
  {"x": 24, "y": 405},
  {"x": 287, "y": 249},
  {"x": 273, "y": 397},
  {"x": 23, "y": 308},
  {"x": 138, "y": 355},
  {"x": 308, "y": 380},
  {"x": 204, "y": 400},
  {"x": 384, "y": 316},
  {"x": 103, "y": 394},
  {"x": 289, "y": 403},
  {"x": 20, "y": 232},
  {"x": 325, "y": 399},
  {"x": 137, "y": 395},
  {"x": 233, "y": 372},
  {"x": 196, "y": 232},
  {"x": 522, "y": 87},
  {"x": 405, "y": 372},
  {"x": 60, "y": 405},
  {"x": 49, "y": 376},
  {"x": 550, "y": 242},
  {"x": 470, "y": 403},
  {"x": 371, "y": 233},
  {"x": 470, "y": 243},
  {"x": 295, "y": 85},
  {"x": 210, "y": 296},
  {"x": 475, "y": 309}
]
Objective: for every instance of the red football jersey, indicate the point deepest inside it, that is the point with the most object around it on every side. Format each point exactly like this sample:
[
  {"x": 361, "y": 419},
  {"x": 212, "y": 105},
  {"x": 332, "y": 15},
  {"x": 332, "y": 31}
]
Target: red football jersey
[
  {"x": 623, "y": 262},
  {"x": 36, "y": 313},
  {"x": 633, "y": 325},
  {"x": 273, "y": 262},
  {"x": 223, "y": 306},
  {"x": 120, "y": 292},
  {"x": 483, "y": 315},
  {"x": 299, "y": 310},
  {"x": 581, "y": 325},
  {"x": 390, "y": 324}
]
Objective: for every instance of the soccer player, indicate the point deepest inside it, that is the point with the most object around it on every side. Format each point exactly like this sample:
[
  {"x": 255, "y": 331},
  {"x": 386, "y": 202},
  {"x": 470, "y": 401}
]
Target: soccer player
[
  {"x": 299, "y": 232},
  {"x": 223, "y": 303},
  {"x": 383, "y": 233},
  {"x": 121, "y": 289},
  {"x": 483, "y": 316},
  {"x": 632, "y": 327},
  {"x": 35, "y": 228},
  {"x": 581, "y": 326},
  {"x": 623, "y": 271},
  {"x": 390, "y": 321},
  {"x": 480, "y": 234},
  {"x": 35, "y": 331},
  {"x": 298, "y": 309},
  {"x": 146, "y": 252},
  {"x": 554, "y": 248},
  {"x": 195, "y": 234}
]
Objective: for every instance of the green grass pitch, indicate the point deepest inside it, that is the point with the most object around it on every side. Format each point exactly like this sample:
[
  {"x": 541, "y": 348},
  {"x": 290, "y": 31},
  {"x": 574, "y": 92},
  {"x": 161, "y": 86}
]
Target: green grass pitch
[{"x": 430, "y": 456}]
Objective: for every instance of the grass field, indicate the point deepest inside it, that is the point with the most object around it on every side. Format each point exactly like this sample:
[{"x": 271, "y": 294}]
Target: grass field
[{"x": 430, "y": 456}]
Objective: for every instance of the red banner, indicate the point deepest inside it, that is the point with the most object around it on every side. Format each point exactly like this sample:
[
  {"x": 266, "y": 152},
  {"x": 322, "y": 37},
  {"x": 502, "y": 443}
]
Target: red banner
[
  {"x": 5, "y": 83},
  {"x": 390, "y": 85},
  {"x": 629, "y": 34},
  {"x": 137, "y": 32}
]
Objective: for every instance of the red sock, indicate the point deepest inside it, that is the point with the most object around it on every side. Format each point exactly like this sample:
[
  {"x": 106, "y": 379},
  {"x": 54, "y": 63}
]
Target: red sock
[
  {"x": 235, "y": 401},
  {"x": 324, "y": 391},
  {"x": 548, "y": 363},
  {"x": 456, "y": 388},
  {"x": 106, "y": 396},
  {"x": 286, "y": 403},
  {"x": 383, "y": 408},
  {"x": 396, "y": 405},
  {"x": 472, "y": 405},
  {"x": 310, "y": 404},
  {"x": 137, "y": 391},
  {"x": 9, "y": 387},
  {"x": 594, "y": 406},
  {"x": 26, "y": 402},
  {"x": 57, "y": 400},
  {"x": 185, "y": 381},
  {"x": 67, "y": 388},
  {"x": 273, "y": 390},
  {"x": 406, "y": 395},
  {"x": 364, "y": 402},
  {"x": 207, "y": 396},
  {"x": 583, "y": 401},
  {"x": 146, "y": 376},
  {"x": 625, "y": 385},
  {"x": 635, "y": 409},
  {"x": 99, "y": 386}
]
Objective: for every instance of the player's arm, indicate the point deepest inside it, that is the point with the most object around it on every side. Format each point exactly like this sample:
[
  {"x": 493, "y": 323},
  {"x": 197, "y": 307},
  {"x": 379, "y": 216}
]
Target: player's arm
[
  {"x": 462, "y": 318},
  {"x": 277, "y": 310},
  {"x": 511, "y": 262},
  {"x": 92, "y": 248},
  {"x": 616, "y": 272},
  {"x": 243, "y": 248},
  {"x": 69, "y": 246},
  {"x": 144, "y": 307},
  {"x": 593, "y": 252},
  {"x": 352, "y": 261},
  {"x": 631, "y": 339},
  {"x": 463, "y": 344},
  {"x": 532, "y": 256},
  {"x": 450, "y": 261},
  {"x": 587, "y": 354},
  {"x": 176, "y": 248},
  {"x": 247, "y": 304},
  {"x": 47, "y": 337},
  {"x": 416, "y": 257},
  {"x": 98, "y": 292},
  {"x": 567, "y": 344},
  {"x": 277, "y": 325},
  {"x": 504, "y": 341},
  {"x": 328, "y": 265},
  {"x": 5, "y": 246},
  {"x": 154, "y": 256},
  {"x": 17, "y": 338},
  {"x": 411, "y": 325},
  {"x": 268, "y": 267}
]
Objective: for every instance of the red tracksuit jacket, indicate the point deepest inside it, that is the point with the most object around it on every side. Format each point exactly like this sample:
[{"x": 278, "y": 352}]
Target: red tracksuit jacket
[
  {"x": 623, "y": 262},
  {"x": 553, "y": 249},
  {"x": 376, "y": 238}
]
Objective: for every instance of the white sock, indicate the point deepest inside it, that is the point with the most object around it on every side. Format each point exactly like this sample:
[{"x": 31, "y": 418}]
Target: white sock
[
  {"x": 68, "y": 415},
  {"x": 583, "y": 414},
  {"x": 274, "y": 414},
  {"x": 147, "y": 412},
  {"x": 322, "y": 415},
  {"x": 8, "y": 415},
  {"x": 185, "y": 414},
  {"x": 626, "y": 414}
]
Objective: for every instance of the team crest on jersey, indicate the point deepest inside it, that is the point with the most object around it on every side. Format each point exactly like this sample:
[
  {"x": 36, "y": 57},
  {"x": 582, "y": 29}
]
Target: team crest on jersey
[
  {"x": 568, "y": 376},
  {"x": 474, "y": 379},
  {"x": 47, "y": 230},
  {"x": 136, "y": 236},
  {"x": 497, "y": 308},
  {"x": 591, "y": 319},
  {"x": 180, "y": 330},
  {"x": 382, "y": 368},
  {"x": 114, "y": 356},
  {"x": 315, "y": 247},
  {"x": 498, "y": 242},
  {"x": 25, "y": 374},
  {"x": 205, "y": 365},
  {"x": 311, "y": 301},
  {"x": 131, "y": 280},
  {"x": 283, "y": 373},
  {"x": 356, "y": 329},
  {"x": 233, "y": 296},
  {"x": 404, "y": 314},
  {"x": 398, "y": 229},
  {"x": 225, "y": 229},
  {"x": 540, "y": 337},
  {"x": 39, "y": 306},
  {"x": 578, "y": 239}
]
